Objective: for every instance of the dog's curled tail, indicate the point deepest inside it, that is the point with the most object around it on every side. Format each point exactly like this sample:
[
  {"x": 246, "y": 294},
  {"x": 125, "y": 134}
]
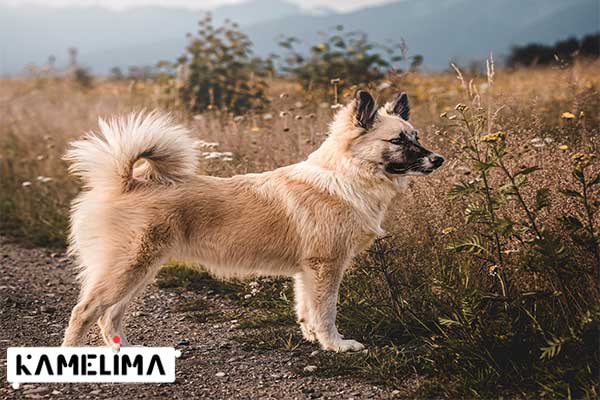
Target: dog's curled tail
[{"x": 106, "y": 160}]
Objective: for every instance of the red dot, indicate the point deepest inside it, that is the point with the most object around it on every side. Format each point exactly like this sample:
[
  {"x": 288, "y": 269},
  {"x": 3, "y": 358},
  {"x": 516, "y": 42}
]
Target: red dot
[{"x": 117, "y": 339}]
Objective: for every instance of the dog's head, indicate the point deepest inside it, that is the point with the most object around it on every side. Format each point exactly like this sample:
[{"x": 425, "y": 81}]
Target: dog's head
[{"x": 383, "y": 137}]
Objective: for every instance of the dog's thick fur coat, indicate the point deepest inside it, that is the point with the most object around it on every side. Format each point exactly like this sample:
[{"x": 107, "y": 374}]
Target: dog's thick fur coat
[{"x": 306, "y": 220}]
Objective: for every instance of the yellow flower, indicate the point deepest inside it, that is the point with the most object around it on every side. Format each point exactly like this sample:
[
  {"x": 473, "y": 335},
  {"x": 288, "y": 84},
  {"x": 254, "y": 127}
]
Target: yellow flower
[
  {"x": 567, "y": 115},
  {"x": 492, "y": 137},
  {"x": 578, "y": 157},
  {"x": 493, "y": 269},
  {"x": 254, "y": 129},
  {"x": 448, "y": 230},
  {"x": 563, "y": 147}
]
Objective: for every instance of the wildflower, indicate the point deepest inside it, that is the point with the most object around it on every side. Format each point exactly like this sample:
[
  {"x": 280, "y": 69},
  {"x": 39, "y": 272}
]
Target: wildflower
[
  {"x": 44, "y": 179},
  {"x": 581, "y": 160},
  {"x": 492, "y": 137},
  {"x": 563, "y": 147},
  {"x": 461, "y": 107},
  {"x": 567, "y": 115},
  {"x": 254, "y": 129},
  {"x": 448, "y": 230},
  {"x": 493, "y": 270},
  {"x": 538, "y": 142},
  {"x": 210, "y": 155},
  {"x": 26, "y": 184},
  {"x": 384, "y": 85},
  {"x": 204, "y": 144}
]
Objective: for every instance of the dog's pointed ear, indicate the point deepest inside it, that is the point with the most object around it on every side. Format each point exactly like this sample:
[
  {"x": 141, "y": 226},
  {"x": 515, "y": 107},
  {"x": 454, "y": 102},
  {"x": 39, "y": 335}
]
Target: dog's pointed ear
[
  {"x": 365, "y": 109},
  {"x": 399, "y": 106}
]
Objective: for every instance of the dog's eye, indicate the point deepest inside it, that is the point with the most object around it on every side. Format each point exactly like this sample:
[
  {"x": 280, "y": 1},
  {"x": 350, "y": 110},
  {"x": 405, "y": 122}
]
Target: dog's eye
[{"x": 398, "y": 140}]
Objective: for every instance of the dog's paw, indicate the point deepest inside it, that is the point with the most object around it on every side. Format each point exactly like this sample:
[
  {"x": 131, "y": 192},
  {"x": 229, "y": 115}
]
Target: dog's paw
[
  {"x": 308, "y": 333},
  {"x": 342, "y": 346}
]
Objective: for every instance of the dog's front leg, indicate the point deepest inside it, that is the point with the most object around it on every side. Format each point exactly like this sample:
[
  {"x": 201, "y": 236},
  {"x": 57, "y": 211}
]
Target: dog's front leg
[{"x": 321, "y": 281}]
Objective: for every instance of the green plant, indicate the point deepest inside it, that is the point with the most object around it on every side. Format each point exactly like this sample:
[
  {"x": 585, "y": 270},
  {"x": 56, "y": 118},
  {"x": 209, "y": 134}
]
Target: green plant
[
  {"x": 348, "y": 57},
  {"x": 221, "y": 72}
]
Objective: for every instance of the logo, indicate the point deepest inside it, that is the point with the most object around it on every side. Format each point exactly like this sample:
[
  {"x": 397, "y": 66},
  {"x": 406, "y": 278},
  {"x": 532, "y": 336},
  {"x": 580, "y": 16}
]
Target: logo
[{"x": 90, "y": 364}]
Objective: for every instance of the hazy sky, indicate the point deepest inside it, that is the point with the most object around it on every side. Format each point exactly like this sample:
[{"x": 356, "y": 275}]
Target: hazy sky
[{"x": 342, "y": 5}]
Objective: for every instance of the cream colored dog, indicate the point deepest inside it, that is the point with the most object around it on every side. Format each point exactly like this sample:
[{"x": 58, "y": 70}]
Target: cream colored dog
[{"x": 306, "y": 220}]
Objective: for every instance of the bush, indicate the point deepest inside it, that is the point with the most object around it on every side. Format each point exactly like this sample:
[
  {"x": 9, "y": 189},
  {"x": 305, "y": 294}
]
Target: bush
[
  {"x": 563, "y": 51},
  {"x": 220, "y": 72},
  {"x": 346, "y": 56}
]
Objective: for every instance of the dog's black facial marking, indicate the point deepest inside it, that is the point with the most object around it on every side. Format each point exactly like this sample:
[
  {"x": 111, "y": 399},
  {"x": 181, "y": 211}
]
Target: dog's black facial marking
[
  {"x": 408, "y": 155},
  {"x": 366, "y": 109}
]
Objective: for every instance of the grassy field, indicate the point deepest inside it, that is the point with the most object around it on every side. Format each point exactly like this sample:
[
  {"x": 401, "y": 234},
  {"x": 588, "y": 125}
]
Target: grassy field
[{"x": 487, "y": 283}]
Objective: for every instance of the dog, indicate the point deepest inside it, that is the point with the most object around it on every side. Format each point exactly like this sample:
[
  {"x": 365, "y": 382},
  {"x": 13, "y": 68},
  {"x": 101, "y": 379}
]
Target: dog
[{"x": 307, "y": 220}]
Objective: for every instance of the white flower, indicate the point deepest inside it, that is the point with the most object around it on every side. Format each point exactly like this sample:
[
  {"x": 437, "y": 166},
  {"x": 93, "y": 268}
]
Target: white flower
[
  {"x": 538, "y": 142},
  {"x": 225, "y": 155},
  {"x": 202, "y": 143},
  {"x": 44, "y": 179}
]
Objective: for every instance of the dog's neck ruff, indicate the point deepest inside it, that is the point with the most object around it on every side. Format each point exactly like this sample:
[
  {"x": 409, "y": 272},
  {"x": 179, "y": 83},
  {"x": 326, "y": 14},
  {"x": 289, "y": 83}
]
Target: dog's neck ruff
[{"x": 367, "y": 193}]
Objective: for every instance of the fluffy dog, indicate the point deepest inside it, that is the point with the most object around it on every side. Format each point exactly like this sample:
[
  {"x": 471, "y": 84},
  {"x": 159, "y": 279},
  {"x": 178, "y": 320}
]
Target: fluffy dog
[{"x": 306, "y": 220}]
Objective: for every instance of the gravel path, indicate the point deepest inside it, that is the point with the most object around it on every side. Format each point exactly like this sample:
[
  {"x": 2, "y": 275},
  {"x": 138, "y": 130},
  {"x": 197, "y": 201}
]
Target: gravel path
[{"x": 38, "y": 290}]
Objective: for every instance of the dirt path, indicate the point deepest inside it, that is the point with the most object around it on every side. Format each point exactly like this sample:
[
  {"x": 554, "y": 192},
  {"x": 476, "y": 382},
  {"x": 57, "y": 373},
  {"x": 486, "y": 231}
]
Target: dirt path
[{"x": 38, "y": 290}]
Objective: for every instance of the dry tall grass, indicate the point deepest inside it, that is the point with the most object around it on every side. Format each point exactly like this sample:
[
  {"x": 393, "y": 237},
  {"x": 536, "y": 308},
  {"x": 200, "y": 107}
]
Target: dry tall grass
[{"x": 515, "y": 316}]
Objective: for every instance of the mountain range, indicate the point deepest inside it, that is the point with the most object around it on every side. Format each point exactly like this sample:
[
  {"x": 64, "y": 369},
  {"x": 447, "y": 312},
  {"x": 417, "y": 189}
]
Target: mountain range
[{"x": 439, "y": 30}]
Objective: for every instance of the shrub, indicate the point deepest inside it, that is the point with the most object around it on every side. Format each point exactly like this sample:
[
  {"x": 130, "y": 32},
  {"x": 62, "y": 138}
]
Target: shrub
[
  {"x": 563, "y": 51},
  {"x": 221, "y": 72},
  {"x": 346, "y": 56}
]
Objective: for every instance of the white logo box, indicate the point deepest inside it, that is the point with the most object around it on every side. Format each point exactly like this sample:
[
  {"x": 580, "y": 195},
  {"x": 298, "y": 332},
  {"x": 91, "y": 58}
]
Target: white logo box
[{"x": 90, "y": 364}]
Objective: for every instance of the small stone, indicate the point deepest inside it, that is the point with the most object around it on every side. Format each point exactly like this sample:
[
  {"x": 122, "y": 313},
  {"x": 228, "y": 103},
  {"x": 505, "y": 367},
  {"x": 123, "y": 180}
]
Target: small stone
[
  {"x": 37, "y": 390},
  {"x": 184, "y": 342},
  {"x": 310, "y": 368},
  {"x": 220, "y": 374},
  {"x": 95, "y": 392},
  {"x": 47, "y": 309}
]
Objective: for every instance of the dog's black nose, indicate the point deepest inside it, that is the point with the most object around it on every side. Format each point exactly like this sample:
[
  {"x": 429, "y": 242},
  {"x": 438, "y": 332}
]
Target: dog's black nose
[{"x": 436, "y": 160}]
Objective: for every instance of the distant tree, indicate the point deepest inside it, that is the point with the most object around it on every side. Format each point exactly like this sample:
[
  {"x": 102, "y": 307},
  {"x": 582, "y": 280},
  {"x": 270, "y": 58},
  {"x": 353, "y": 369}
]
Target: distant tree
[
  {"x": 563, "y": 51},
  {"x": 220, "y": 71},
  {"x": 116, "y": 74},
  {"x": 347, "y": 56}
]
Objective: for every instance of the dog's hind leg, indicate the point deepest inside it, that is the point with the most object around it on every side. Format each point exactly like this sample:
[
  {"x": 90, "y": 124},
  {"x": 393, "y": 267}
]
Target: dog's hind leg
[
  {"x": 103, "y": 293},
  {"x": 109, "y": 287},
  {"x": 111, "y": 323}
]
